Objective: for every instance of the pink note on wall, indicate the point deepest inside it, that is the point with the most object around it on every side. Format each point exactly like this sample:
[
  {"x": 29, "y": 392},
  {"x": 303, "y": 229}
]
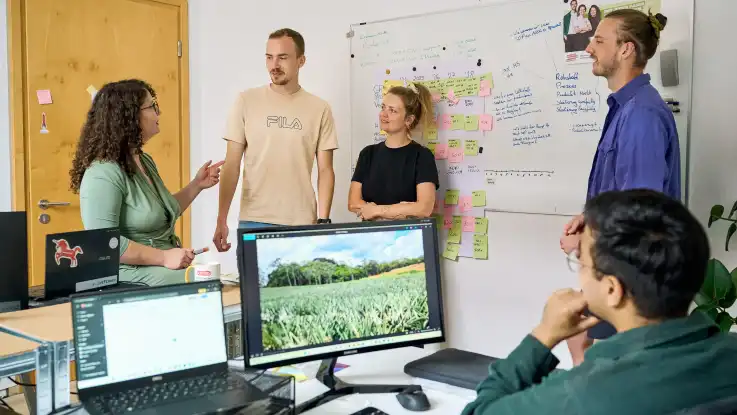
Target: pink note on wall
[
  {"x": 446, "y": 122},
  {"x": 448, "y": 218},
  {"x": 486, "y": 122},
  {"x": 452, "y": 97},
  {"x": 466, "y": 203},
  {"x": 441, "y": 151},
  {"x": 485, "y": 88},
  {"x": 44, "y": 96},
  {"x": 469, "y": 224},
  {"x": 455, "y": 155},
  {"x": 438, "y": 204}
]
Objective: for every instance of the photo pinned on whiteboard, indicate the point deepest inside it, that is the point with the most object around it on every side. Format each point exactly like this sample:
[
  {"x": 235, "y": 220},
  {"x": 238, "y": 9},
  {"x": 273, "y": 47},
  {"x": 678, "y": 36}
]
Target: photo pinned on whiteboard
[
  {"x": 581, "y": 19},
  {"x": 44, "y": 129}
]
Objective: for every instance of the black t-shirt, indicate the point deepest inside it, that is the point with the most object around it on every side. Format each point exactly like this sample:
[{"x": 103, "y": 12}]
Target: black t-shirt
[{"x": 390, "y": 175}]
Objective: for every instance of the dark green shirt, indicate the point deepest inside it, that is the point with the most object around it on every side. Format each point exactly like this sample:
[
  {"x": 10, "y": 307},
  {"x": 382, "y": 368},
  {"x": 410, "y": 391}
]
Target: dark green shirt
[{"x": 656, "y": 369}]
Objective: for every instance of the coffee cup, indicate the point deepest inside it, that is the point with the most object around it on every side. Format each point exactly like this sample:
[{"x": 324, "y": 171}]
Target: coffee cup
[{"x": 203, "y": 272}]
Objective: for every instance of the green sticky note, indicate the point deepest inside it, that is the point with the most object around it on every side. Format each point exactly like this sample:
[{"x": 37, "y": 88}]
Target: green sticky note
[
  {"x": 454, "y": 143},
  {"x": 485, "y": 77},
  {"x": 451, "y": 196},
  {"x": 439, "y": 220},
  {"x": 472, "y": 123},
  {"x": 432, "y": 146},
  {"x": 479, "y": 198},
  {"x": 454, "y": 234},
  {"x": 431, "y": 134},
  {"x": 471, "y": 148},
  {"x": 471, "y": 86},
  {"x": 481, "y": 226},
  {"x": 481, "y": 246},
  {"x": 451, "y": 251},
  {"x": 458, "y": 121}
]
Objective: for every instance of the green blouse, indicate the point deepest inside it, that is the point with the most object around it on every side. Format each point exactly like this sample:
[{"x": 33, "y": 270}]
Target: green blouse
[{"x": 144, "y": 213}]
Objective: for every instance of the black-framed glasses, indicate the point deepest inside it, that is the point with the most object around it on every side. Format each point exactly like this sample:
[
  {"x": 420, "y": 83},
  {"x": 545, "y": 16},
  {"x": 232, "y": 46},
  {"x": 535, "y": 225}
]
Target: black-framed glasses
[{"x": 155, "y": 106}]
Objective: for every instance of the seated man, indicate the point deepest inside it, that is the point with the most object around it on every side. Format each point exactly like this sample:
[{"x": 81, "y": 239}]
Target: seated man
[{"x": 643, "y": 258}]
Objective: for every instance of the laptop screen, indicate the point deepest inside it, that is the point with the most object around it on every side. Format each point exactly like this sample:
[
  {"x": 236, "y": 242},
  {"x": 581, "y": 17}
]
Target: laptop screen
[
  {"x": 142, "y": 333},
  {"x": 81, "y": 261}
]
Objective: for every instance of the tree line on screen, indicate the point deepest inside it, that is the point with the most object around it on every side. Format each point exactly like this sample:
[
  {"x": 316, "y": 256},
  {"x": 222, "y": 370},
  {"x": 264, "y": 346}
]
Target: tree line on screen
[{"x": 327, "y": 271}]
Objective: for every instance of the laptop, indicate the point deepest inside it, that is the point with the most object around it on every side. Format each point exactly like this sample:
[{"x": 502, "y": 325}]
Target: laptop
[
  {"x": 13, "y": 262},
  {"x": 159, "y": 350},
  {"x": 77, "y": 262}
]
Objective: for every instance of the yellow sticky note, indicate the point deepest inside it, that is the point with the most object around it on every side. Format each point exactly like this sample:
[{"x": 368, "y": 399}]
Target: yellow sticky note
[
  {"x": 454, "y": 143},
  {"x": 481, "y": 226},
  {"x": 439, "y": 221},
  {"x": 451, "y": 251},
  {"x": 471, "y": 148},
  {"x": 431, "y": 134},
  {"x": 472, "y": 123},
  {"x": 454, "y": 234},
  {"x": 431, "y": 146},
  {"x": 481, "y": 246},
  {"x": 451, "y": 196},
  {"x": 471, "y": 86},
  {"x": 479, "y": 198},
  {"x": 458, "y": 121}
]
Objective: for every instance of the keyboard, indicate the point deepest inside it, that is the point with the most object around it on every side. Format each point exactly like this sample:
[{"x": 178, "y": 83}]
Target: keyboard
[
  {"x": 154, "y": 395},
  {"x": 370, "y": 411}
]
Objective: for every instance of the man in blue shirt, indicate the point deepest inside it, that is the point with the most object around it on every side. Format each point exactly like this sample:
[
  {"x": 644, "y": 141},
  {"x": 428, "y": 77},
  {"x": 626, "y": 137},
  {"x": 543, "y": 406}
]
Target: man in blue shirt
[{"x": 639, "y": 142}]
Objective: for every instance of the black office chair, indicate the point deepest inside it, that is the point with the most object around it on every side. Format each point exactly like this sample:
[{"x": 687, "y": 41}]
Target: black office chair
[{"x": 726, "y": 406}]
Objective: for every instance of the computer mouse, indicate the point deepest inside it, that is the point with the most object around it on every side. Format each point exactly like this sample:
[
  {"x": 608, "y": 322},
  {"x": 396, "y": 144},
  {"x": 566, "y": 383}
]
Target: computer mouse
[{"x": 414, "y": 400}]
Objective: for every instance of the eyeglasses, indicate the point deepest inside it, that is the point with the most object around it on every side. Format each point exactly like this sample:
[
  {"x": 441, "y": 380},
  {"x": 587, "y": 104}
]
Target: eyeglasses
[
  {"x": 572, "y": 261},
  {"x": 155, "y": 106}
]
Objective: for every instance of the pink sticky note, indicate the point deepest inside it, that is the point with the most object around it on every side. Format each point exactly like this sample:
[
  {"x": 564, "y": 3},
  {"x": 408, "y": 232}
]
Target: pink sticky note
[
  {"x": 486, "y": 122},
  {"x": 441, "y": 151},
  {"x": 455, "y": 155},
  {"x": 446, "y": 122},
  {"x": 448, "y": 218},
  {"x": 435, "y": 97},
  {"x": 44, "y": 96},
  {"x": 452, "y": 97},
  {"x": 469, "y": 224},
  {"x": 440, "y": 203},
  {"x": 466, "y": 203},
  {"x": 485, "y": 88}
]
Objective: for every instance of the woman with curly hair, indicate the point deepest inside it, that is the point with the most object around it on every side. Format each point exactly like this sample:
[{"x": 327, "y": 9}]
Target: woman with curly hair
[{"x": 119, "y": 185}]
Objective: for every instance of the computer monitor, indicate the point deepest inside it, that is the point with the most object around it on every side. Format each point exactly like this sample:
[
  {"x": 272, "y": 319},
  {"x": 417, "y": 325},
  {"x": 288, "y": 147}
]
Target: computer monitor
[
  {"x": 13, "y": 262},
  {"x": 324, "y": 291},
  {"x": 135, "y": 337}
]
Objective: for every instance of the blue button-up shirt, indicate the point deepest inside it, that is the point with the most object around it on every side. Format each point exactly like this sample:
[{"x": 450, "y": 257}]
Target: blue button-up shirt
[
  {"x": 639, "y": 143},
  {"x": 638, "y": 149}
]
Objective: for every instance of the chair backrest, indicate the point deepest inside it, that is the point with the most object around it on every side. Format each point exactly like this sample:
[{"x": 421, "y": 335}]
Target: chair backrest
[{"x": 726, "y": 406}]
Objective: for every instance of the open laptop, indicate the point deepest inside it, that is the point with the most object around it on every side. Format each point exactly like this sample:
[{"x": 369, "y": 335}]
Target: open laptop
[
  {"x": 159, "y": 350},
  {"x": 77, "y": 262},
  {"x": 13, "y": 262}
]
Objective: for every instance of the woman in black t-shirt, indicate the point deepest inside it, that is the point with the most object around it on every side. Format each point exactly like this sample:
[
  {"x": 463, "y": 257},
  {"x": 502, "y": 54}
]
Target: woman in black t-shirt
[{"x": 397, "y": 178}]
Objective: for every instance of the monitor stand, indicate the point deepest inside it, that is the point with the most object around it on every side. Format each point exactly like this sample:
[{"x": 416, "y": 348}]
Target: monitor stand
[{"x": 338, "y": 388}]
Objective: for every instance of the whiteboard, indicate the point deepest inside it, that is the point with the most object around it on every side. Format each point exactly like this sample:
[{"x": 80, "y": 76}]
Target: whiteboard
[{"x": 545, "y": 107}]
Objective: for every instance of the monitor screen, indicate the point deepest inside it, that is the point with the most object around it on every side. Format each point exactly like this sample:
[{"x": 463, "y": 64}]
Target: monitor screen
[
  {"x": 329, "y": 290},
  {"x": 14, "y": 260},
  {"x": 140, "y": 333}
]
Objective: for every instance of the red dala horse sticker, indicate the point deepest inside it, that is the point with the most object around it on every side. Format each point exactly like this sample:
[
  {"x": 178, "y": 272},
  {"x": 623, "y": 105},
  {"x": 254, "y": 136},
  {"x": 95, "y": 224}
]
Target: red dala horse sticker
[{"x": 63, "y": 250}]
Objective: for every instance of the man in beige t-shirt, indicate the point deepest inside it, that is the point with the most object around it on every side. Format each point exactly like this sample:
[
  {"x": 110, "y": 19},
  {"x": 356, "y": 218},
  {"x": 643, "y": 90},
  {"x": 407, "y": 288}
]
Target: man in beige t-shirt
[{"x": 278, "y": 130}]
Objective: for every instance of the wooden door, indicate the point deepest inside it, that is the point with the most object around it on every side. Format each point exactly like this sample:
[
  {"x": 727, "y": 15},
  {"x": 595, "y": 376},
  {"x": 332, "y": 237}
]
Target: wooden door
[{"x": 70, "y": 48}]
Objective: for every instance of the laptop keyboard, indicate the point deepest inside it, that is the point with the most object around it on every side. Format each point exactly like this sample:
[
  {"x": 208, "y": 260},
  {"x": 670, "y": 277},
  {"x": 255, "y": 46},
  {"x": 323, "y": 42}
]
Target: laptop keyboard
[{"x": 154, "y": 395}]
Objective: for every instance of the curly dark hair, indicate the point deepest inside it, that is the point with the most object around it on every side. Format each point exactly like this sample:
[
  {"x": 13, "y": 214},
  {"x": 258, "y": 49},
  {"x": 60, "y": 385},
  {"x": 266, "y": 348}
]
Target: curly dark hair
[{"x": 112, "y": 128}]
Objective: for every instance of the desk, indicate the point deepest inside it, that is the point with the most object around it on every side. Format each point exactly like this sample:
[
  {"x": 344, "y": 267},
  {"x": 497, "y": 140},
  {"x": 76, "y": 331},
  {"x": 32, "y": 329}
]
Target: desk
[
  {"x": 385, "y": 367},
  {"x": 17, "y": 355}
]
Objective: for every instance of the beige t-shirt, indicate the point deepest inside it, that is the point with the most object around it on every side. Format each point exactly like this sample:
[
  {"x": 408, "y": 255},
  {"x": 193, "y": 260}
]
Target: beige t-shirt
[{"x": 282, "y": 134}]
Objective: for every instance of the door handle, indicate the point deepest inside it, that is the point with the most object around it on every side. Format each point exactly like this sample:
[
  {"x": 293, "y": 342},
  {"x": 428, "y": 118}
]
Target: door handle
[{"x": 45, "y": 204}]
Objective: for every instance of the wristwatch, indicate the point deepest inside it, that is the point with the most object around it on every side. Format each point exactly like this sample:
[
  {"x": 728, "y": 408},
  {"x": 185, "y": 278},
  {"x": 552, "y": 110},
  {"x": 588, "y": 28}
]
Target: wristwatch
[{"x": 324, "y": 221}]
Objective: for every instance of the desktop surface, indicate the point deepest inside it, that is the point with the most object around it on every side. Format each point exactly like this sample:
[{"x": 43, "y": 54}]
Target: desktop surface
[{"x": 324, "y": 291}]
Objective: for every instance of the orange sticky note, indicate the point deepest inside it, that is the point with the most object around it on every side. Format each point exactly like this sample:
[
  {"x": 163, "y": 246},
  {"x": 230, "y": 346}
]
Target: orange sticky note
[
  {"x": 486, "y": 122},
  {"x": 44, "y": 96},
  {"x": 466, "y": 203},
  {"x": 455, "y": 155},
  {"x": 484, "y": 88},
  {"x": 469, "y": 223},
  {"x": 441, "y": 151}
]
